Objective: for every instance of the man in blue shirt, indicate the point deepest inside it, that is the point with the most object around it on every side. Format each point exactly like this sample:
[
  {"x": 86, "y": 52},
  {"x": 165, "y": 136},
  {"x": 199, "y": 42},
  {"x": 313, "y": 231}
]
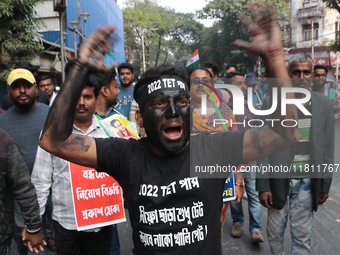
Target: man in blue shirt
[{"x": 126, "y": 87}]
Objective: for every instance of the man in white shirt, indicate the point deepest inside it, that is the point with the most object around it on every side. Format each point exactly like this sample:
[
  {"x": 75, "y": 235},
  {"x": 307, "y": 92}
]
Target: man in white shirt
[
  {"x": 46, "y": 85},
  {"x": 51, "y": 172}
]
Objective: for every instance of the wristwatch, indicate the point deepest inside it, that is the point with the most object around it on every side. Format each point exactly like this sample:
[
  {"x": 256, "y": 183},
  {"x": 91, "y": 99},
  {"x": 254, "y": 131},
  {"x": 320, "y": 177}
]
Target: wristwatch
[{"x": 240, "y": 185}]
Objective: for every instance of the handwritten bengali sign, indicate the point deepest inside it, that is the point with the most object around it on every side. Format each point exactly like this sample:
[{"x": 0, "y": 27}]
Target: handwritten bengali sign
[
  {"x": 229, "y": 189},
  {"x": 97, "y": 198}
]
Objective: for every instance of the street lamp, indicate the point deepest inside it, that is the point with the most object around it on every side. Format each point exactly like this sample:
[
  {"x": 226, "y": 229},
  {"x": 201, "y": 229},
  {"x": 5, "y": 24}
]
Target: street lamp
[
  {"x": 85, "y": 15},
  {"x": 74, "y": 24}
]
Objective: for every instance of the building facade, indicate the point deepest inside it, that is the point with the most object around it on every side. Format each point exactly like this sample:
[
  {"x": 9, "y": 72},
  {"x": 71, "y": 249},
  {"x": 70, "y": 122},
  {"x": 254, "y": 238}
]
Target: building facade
[
  {"x": 311, "y": 29},
  {"x": 101, "y": 13}
]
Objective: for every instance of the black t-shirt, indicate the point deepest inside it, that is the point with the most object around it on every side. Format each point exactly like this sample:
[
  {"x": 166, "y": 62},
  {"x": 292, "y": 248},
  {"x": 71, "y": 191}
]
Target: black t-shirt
[{"x": 170, "y": 212}]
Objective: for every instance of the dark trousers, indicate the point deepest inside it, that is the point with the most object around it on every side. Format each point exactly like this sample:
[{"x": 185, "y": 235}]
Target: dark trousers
[
  {"x": 74, "y": 242},
  {"x": 115, "y": 246}
]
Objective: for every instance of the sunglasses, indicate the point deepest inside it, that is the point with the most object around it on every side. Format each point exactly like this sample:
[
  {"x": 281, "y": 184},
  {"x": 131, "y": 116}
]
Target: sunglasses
[{"x": 204, "y": 81}]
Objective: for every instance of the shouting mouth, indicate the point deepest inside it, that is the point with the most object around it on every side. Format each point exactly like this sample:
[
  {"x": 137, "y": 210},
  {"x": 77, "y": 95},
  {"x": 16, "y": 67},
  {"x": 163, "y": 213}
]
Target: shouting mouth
[{"x": 173, "y": 131}]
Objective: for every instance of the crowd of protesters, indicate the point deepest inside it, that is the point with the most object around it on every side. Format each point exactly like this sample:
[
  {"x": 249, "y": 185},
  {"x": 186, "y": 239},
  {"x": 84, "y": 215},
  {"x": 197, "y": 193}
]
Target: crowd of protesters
[{"x": 184, "y": 213}]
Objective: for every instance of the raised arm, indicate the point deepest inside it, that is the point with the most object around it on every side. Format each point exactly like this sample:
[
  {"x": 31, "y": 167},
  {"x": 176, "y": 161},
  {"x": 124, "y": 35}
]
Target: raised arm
[
  {"x": 267, "y": 43},
  {"x": 57, "y": 137}
]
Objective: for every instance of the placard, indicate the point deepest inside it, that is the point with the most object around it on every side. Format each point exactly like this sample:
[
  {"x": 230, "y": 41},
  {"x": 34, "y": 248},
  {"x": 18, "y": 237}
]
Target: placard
[
  {"x": 229, "y": 189},
  {"x": 121, "y": 126},
  {"x": 97, "y": 198}
]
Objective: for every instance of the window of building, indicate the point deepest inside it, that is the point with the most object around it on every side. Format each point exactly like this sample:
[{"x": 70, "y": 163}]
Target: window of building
[
  {"x": 307, "y": 32},
  {"x": 306, "y": 3},
  {"x": 309, "y": 3}
]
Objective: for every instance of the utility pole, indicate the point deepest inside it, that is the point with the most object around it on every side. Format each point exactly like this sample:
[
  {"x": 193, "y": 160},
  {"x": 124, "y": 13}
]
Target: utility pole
[
  {"x": 147, "y": 30},
  {"x": 79, "y": 21},
  {"x": 143, "y": 49},
  {"x": 62, "y": 46},
  {"x": 313, "y": 39},
  {"x": 337, "y": 53},
  {"x": 337, "y": 68},
  {"x": 60, "y": 6}
]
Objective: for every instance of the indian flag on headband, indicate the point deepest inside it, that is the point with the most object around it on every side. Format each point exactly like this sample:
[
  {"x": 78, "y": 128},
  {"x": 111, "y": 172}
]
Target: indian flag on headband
[{"x": 194, "y": 61}]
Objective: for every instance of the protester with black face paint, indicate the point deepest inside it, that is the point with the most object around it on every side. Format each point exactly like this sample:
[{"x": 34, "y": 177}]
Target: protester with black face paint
[
  {"x": 170, "y": 211},
  {"x": 319, "y": 81}
]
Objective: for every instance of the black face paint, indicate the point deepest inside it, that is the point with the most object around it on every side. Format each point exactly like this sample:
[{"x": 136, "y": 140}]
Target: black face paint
[{"x": 166, "y": 119}]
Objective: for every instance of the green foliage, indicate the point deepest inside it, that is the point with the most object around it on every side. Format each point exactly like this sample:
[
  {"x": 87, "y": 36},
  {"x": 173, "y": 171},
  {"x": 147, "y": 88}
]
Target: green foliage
[
  {"x": 333, "y": 4},
  {"x": 18, "y": 34},
  {"x": 335, "y": 45},
  {"x": 169, "y": 37}
]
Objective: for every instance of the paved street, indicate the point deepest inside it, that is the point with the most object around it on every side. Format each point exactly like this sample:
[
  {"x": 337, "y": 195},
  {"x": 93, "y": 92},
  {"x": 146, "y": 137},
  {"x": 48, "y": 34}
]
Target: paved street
[{"x": 326, "y": 230}]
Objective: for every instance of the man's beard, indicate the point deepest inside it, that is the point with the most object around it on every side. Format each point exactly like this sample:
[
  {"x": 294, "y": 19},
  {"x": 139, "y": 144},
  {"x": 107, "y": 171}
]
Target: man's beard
[
  {"x": 317, "y": 85},
  {"x": 24, "y": 106},
  {"x": 125, "y": 85}
]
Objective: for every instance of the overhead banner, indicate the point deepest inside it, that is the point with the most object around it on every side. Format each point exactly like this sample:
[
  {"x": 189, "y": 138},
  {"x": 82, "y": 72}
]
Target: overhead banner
[{"x": 97, "y": 198}]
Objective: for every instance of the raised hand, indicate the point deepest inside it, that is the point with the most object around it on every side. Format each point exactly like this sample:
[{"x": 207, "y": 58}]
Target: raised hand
[
  {"x": 92, "y": 52},
  {"x": 266, "y": 32}
]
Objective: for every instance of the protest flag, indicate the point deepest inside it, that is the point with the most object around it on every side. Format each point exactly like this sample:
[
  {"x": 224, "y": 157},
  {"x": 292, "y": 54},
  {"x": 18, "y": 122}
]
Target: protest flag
[{"x": 194, "y": 61}]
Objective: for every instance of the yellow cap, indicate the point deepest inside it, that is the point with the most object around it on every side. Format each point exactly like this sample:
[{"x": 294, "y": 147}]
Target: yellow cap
[{"x": 20, "y": 73}]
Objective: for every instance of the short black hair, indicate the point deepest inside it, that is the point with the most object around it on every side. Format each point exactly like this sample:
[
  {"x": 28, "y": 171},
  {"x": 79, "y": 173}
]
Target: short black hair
[
  {"x": 43, "y": 77},
  {"x": 228, "y": 66},
  {"x": 104, "y": 79},
  {"x": 320, "y": 67},
  {"x": 92, "y": 82},
  {"x": 191, "y": 70},
  {"x": 235, "y": 73},
  {"x": 155, "y": 72},
  {"x": 125, "y": 65},
  {"x": 213, "y": 66}
]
